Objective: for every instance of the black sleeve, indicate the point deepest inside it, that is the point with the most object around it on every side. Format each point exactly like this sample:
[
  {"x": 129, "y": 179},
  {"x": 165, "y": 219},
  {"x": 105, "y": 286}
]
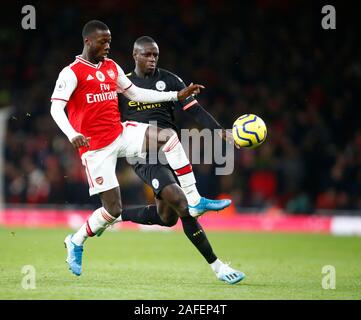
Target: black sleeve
[
  {"x": 197, "y": 112},
  {"x": 193, "y": 108},
  {"x": 177, "y": 84}
]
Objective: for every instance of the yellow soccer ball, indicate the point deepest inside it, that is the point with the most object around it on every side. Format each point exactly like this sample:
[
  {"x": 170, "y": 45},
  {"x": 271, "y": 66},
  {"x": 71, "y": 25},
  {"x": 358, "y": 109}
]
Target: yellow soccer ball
[{"x": 249, "y": 131}]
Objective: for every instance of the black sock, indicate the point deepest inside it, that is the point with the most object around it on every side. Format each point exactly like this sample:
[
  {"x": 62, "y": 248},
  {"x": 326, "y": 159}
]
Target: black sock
[
  {"x": 142, "y": 215},
  {"x": 197, "y": 236}
]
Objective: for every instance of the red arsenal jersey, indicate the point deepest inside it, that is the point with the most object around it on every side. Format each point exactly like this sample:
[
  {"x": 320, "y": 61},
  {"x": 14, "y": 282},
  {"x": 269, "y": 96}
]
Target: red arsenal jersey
[{"x": 92, "y": 101}]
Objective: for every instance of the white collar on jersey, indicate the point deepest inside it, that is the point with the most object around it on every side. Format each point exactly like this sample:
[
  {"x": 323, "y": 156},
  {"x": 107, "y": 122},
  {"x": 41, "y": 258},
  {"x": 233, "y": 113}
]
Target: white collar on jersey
[{"x": 97, "y": 66}]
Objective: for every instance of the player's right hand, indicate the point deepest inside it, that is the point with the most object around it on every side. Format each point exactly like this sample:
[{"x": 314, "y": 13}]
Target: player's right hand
[
  {"x": 192, "y": 89},
  {"x": 80, "y": 141}
]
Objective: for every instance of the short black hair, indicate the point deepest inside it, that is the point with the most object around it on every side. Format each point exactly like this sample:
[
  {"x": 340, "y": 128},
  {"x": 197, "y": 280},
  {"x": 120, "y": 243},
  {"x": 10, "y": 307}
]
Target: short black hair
[
  {"x": 143, "y": 40},
  {"x": 93, "y": 25}
]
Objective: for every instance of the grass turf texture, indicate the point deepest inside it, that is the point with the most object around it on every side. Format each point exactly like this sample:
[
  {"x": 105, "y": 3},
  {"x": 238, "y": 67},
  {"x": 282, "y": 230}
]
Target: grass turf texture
[{"x": 158, "y": 265}]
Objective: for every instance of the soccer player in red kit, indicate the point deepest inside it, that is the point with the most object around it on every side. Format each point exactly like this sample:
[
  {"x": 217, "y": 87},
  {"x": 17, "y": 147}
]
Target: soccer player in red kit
[{"x": 88, "y": 88}]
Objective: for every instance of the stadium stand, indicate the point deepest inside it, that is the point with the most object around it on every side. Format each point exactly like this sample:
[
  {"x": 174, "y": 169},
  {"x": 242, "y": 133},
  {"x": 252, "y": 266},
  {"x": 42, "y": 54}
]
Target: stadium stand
[{"x": 257, "y": 58}]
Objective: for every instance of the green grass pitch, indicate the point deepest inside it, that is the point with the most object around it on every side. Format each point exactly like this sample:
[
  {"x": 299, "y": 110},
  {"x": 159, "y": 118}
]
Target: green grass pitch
[{"x": 165, "y": 265}]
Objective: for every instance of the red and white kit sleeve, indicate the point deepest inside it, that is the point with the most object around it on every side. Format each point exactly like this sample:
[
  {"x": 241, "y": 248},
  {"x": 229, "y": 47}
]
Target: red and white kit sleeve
[
  {"x": 132, "y": 92},
  {"x": 64, "y": 87}
]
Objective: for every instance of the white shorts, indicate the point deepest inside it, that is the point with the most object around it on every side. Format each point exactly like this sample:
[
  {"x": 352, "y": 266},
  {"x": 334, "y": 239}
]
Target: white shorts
[{"x": 100, "y": 164}]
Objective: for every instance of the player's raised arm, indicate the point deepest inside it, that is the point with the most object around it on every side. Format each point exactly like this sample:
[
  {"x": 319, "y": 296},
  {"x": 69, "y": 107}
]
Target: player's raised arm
[
  {"x": 197, "y": 112},
  {"x": 64, "y": 87},
  {"x": 192, "y": 107},
  {"x": 131, "y": 91}
]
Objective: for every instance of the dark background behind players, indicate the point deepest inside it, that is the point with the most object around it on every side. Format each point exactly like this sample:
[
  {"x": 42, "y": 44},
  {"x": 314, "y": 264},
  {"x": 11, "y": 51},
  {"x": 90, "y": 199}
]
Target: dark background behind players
[{"x": 270, "y": 58}]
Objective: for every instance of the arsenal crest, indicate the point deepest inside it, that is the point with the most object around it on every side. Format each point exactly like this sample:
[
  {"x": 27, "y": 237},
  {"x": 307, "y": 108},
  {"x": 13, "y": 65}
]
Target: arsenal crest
[
  {"x": 99, "y": 180},
  {"x": 111, "y": 74}
]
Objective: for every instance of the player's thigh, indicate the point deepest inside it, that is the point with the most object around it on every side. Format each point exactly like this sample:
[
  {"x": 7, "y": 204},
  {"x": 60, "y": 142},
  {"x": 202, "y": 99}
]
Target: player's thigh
[
  {"x": 157, "y": 176},
  {"x": 156, "y": 137},
  {"x": 165, "y": 186},
  {"x": 100, "y": 169},
  {"x": 132, "y": 139}
]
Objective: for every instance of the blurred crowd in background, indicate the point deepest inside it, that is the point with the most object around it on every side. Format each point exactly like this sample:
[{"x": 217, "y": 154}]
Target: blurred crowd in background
[{"x": 270, "y": 58}]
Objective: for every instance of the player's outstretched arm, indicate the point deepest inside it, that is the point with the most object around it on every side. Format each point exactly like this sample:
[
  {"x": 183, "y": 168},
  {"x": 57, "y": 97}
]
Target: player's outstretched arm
[
  {"x": 204, "y": 118},
  {"x": 197, "y": 112},
  {"x": 147, "y": 95},
  {"x": 132, "y": 92}
]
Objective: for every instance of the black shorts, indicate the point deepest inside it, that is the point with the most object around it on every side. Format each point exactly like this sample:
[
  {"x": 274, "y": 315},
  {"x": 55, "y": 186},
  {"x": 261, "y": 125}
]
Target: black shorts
[{"x": 157, "y": 176}]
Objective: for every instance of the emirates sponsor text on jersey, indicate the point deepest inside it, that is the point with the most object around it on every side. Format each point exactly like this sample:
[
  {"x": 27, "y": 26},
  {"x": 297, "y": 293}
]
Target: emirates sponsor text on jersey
[{"x": 98, "y": 97}]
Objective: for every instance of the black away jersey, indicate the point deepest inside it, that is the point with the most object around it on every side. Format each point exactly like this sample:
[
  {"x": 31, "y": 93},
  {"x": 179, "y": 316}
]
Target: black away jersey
[{"x": 162, "y": 112}]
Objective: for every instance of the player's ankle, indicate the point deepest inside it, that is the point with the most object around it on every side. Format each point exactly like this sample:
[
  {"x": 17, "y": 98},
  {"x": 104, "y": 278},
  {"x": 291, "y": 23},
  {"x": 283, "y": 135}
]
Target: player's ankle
[
  {"x": 192, "y": 195},
  {"x": 216, "y": 265}
]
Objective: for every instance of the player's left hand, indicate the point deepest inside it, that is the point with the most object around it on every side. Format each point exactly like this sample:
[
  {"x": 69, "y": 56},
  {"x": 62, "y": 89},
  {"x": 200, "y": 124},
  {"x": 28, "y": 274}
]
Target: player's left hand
[
  {"x": 80, "y": 141},
  {"x": 228, "y": 137},
  {"x": 192, "y": 89}
]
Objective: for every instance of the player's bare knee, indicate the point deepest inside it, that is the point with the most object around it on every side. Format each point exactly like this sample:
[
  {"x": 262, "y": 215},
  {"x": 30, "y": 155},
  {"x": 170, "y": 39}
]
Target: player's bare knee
[
  {"x": 167, "y": 214},
  {"x": 167, "y": 133},
  {"x": 164, "y": 135},
  {"x": 170, "y": 220}
]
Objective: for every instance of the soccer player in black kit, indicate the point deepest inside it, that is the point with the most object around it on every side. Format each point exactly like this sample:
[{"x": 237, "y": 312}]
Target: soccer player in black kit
[{"x": 173, "y": 196}]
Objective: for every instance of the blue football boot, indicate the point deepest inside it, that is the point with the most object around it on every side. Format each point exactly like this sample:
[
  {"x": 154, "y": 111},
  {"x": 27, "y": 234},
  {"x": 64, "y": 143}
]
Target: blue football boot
[
  {"x": 229, "y": 275},
  {"x": 205, "y": 205},
  {"x": 75, "y": 254}
]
